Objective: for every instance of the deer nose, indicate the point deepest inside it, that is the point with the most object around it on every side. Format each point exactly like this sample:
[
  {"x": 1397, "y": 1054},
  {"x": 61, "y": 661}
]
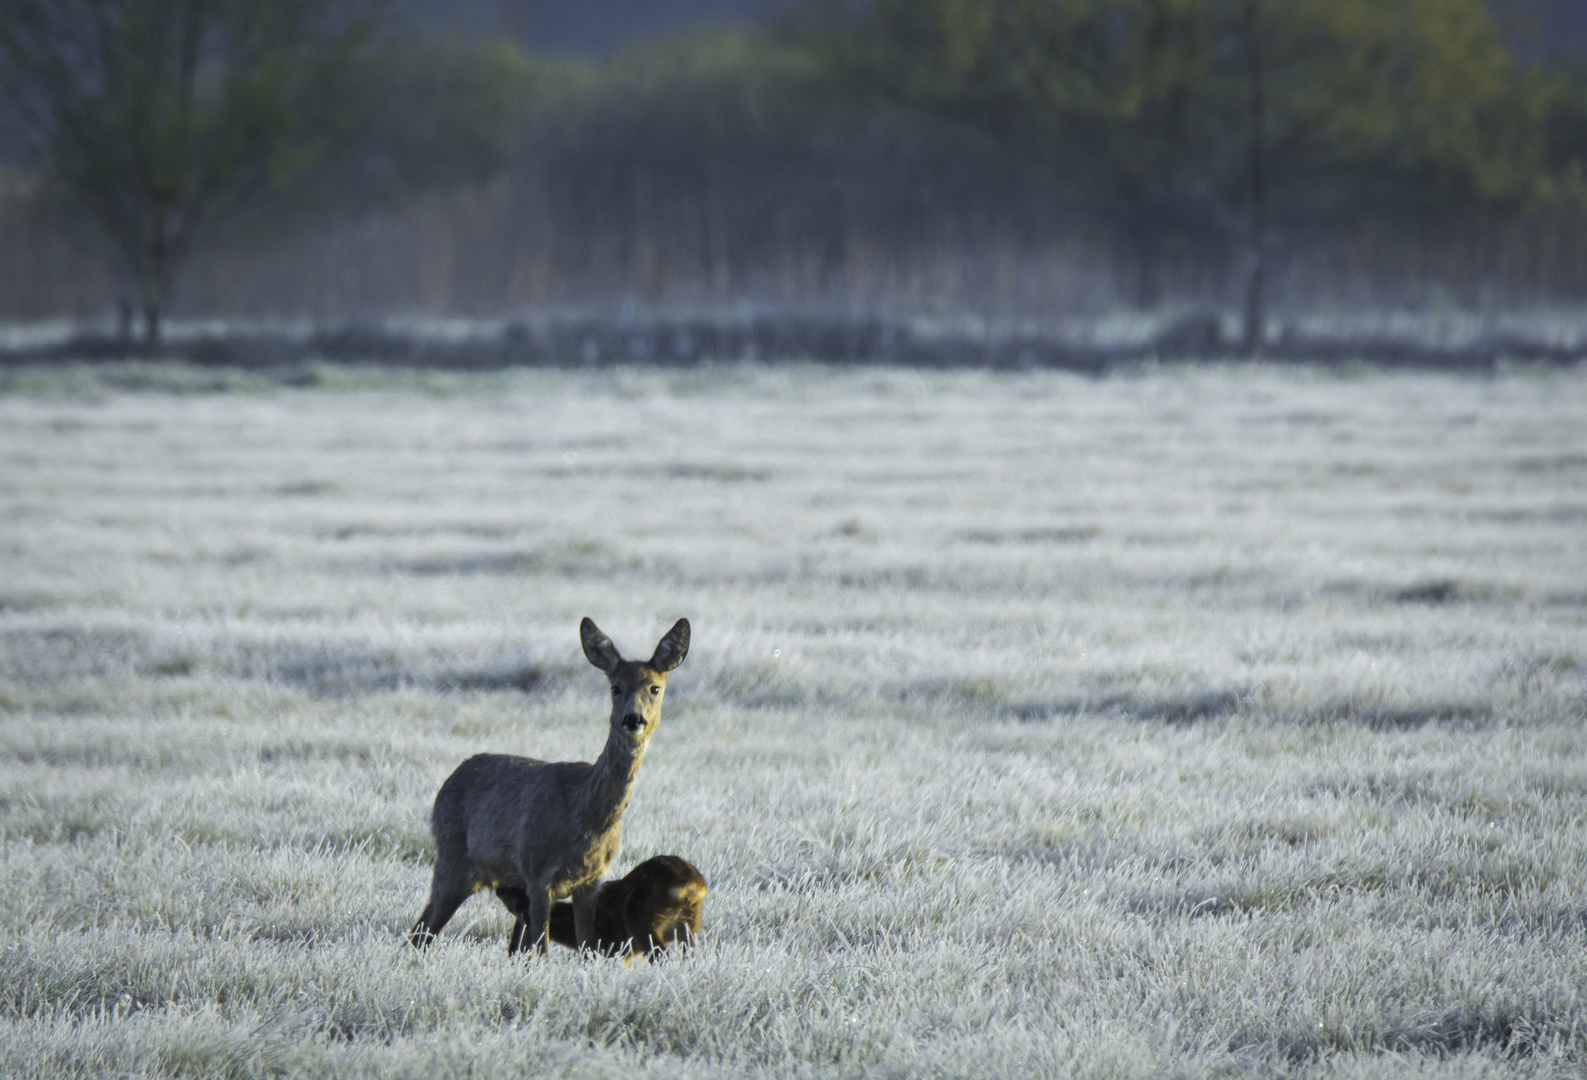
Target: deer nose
[{"x": 633, "y": 722}]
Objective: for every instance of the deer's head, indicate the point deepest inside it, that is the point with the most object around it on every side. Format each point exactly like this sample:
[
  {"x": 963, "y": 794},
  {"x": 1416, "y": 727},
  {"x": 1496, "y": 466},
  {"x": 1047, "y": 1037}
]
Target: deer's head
[{"x": 637, "y": 687}]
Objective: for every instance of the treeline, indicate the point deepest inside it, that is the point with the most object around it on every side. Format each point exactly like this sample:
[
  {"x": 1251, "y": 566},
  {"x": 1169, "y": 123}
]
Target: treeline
[
  {"x": 997, "y": 156},
  {"x": 1197, "y": 129}
]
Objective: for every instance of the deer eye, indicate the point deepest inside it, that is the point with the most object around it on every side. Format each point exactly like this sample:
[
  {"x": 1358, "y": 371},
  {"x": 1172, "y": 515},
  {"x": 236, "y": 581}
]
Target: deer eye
[
  {"x": 654, "y": 690},
  {"x": 617, "y": 690}
]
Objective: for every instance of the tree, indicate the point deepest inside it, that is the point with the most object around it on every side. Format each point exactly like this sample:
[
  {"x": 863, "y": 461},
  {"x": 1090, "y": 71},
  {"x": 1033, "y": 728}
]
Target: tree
[
  {"x": 156, "y": 119},
  {"x": 436, "y": 113},
  {"x": 1114, "y": 88},
  {"x": 1214, "y": 124},
  {"x": 1406, "y": 114},
  {"x": 1424, "y": 89},
  {"x": 1104, "y": 93},
  {"x": 1565, "y": 132}
]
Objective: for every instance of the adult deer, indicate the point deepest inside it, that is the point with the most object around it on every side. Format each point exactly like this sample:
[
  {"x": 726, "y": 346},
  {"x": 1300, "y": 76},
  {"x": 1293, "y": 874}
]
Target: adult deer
[{"x": 548, "y": 829}]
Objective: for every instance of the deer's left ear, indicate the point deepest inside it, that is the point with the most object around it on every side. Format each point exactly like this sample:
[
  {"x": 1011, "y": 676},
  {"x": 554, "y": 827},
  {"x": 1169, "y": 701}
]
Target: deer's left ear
[{"x": 672, "y": 648}]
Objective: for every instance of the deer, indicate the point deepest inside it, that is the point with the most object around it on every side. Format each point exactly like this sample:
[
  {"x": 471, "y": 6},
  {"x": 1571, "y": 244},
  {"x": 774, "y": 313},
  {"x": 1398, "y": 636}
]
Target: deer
[
  {"x": 548, "y": 830},
  {"x": 639, "y": 916}
]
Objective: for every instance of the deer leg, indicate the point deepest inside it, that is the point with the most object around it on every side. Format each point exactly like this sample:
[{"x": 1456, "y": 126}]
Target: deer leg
[
  {"x": 637, "y": 950},
  {"x": 516, "y": 901},
  {"x": 584, "y": 929},
  {"x": 442, "y": 906},
  {"x": 539, "y": 921}
]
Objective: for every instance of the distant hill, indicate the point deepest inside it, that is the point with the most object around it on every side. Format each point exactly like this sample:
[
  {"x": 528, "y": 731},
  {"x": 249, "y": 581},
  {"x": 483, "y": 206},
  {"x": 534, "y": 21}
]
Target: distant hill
[{"x": 596, "y": 27}]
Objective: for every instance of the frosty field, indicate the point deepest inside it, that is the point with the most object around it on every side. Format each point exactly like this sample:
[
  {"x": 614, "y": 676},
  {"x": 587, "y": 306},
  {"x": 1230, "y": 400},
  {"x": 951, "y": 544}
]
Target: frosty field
[{"x": 1189, "y": 722}]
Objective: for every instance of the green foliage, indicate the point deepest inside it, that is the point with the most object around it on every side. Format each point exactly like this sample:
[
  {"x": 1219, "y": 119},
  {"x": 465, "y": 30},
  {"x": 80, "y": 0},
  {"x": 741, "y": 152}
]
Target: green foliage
[
  {"x": 1565, "y": 134},
  {"x": 1180, "y": 140},
  {"x": 729, "y": 143},
  {"x": 1179, "y": 120},
  {"x": 1423, "y": 89},
  {"x": 442, "y": 111}
]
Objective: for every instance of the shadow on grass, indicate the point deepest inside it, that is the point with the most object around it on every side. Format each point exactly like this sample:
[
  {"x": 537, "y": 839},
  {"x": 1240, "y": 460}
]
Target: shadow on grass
[
  {"x": 1193, "y": 707},
  {"x": 335, "y": 675},
  {"x": 1516, "y": 1030},
  {"x": 41, "y": 657},
  {"x": 1431, "y": 592},
  {"x": 1205, "y": 705}
]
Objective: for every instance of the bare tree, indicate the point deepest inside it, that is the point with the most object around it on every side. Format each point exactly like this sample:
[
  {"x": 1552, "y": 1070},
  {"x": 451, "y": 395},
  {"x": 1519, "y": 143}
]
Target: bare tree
[
  {"x": 155, "y": 119},
  {"x": 1256, "y": 65}
]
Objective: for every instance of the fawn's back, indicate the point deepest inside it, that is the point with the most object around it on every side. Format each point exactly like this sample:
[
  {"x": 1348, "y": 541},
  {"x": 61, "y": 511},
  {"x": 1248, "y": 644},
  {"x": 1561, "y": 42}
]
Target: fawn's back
[{"x": 658, "y": 904}]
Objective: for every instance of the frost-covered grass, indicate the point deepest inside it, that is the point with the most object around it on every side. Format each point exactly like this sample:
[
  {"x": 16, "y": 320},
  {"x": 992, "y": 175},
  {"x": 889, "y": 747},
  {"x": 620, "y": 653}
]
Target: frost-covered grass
[{"x": 1197, "y": 722}]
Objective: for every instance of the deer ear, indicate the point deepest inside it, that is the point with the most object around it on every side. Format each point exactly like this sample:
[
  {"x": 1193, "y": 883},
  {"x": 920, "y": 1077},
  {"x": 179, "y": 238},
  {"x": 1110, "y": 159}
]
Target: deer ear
[
  {"x": 672, "y": 648},
  {"x": 598, "y": 648}
]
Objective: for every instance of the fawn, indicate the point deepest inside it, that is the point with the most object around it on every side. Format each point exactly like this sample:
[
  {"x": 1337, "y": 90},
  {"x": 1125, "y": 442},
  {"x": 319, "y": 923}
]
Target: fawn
[
  {"x": 548, "y": 829},
  {"x": 656, "y": 905}
]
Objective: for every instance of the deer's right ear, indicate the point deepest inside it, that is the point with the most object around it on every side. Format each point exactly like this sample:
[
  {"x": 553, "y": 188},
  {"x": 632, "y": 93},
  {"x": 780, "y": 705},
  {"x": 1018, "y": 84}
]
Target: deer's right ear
[{"x": 598, "y": 648}]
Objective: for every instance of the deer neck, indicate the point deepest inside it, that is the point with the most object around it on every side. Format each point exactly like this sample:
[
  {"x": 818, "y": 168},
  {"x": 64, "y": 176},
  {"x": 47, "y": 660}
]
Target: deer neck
[{"x": 612, "y": 782}]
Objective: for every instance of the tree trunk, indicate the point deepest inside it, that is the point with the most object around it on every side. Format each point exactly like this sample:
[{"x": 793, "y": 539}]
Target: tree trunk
[
  {"x": 151, "y": 292},
  {"x": 1147, "y": 253},
  {"x": 155, "y": 281},
  {"x": 1255, "y": 330},
  {"x": 151, "y": 326}
]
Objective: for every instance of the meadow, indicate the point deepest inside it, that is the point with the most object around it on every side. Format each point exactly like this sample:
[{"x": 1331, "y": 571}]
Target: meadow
[{"x": 1192, "y": 721}]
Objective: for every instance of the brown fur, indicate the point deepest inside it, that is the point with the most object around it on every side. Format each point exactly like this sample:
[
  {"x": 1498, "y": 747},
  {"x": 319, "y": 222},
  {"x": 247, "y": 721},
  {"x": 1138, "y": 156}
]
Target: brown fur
[
  {"x": 658, "y": 904},
  {"x": 548, "y": 829}
]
